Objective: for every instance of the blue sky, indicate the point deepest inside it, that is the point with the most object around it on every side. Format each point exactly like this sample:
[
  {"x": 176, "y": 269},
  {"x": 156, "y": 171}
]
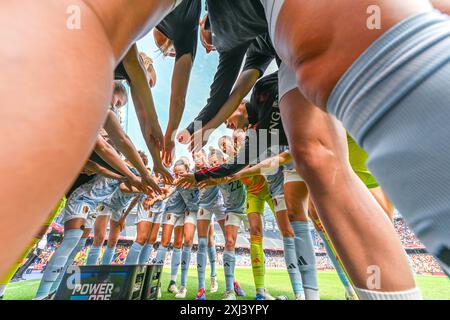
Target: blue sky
[{"x": 201, "y": 78}]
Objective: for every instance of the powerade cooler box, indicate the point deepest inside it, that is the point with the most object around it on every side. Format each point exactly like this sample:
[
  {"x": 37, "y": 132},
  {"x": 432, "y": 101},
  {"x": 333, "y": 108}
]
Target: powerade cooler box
[
  {"x": 152, "y": 282},
  {"x": 114, "y": 282}
]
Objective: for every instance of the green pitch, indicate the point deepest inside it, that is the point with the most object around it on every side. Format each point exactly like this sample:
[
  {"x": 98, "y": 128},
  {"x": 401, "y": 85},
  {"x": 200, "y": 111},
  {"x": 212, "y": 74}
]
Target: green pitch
[{"x": 277, "y": 282}]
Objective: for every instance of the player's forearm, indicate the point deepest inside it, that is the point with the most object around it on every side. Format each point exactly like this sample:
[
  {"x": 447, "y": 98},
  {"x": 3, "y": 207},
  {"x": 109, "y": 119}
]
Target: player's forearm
[
  {"x": 226, "y": 75},
  {"x": 140, "y": 89},
  {"x": 180, "y": 83},
  {"x": 243, "y": 85},
  {"x": 265, "y": 166},
  {"x": 109, "y": 174},
  {"x": 155, "y": 154},
  {"x": 124, "y": 143},
  {"x": 226, "y": 170},
  {"x": 110, "y": 156}
]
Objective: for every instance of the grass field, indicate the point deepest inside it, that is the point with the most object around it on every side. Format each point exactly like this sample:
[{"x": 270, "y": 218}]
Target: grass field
[{"x": 433, "y": 287}]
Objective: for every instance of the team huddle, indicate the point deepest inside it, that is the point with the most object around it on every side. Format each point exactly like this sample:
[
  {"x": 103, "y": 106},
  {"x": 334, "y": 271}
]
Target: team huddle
[
  {"x": 342, "y": 88},
  {"x": 182, "y": 207}
]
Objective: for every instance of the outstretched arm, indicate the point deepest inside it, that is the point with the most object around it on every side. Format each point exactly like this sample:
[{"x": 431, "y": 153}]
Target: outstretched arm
[
  {"x": 224, "y": 79},
  {"x": 143, "y": 103},
  {"x": 126, "y": 146},
  {"x": 92, "y": 167},
  {"x": 180, "y": 82},
  {"x": 110, "y": 155},
  {"x": 259, "y": 55},
  {"x": 265, "y": 166}
]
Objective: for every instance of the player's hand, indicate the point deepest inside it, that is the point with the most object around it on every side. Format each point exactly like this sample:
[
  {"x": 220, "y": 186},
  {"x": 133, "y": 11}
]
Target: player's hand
[
  {"x": 136, "y": 182},
  {"x": 183, "y": 136},
  {"x": 163, "y": 173},
  {"x": 168, "y": 151},
  {"x": 186, "y": 181},
  {"x": 198, "y": 140},
  {"x": 151, "y": 184}
]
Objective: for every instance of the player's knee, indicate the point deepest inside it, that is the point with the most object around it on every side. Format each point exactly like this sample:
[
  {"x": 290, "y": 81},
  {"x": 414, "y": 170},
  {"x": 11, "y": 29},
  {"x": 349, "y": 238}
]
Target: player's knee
[
  {"x": 176, "y": 244},
  {"x": 312, "y": 157},
  {"x": 152, "y": 239},
  {"x": 256, "y": 231},
  {"x": 98, "y": 240},
  {"x": 230, "y": 244},
  {"x": 141, "y": 240}
]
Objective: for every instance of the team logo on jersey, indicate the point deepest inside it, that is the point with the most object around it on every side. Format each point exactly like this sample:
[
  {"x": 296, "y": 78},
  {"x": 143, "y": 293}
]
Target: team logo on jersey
[{"x": 85, "y": 209}]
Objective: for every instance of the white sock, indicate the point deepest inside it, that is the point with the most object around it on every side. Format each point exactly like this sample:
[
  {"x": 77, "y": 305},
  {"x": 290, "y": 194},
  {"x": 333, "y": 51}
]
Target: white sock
[
  {"x": 2, "y": 289},
  {"x": 312, "y": 294},
  {"x": 350, "y": 290},
  {"x": 413, "y": 294}
]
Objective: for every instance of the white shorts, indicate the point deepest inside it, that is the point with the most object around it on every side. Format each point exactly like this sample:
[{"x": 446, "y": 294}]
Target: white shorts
[
  {"x": 103, "y": 210},
  {"x": 155, "y": 218},
  {"x": 190, "y": 217},
  {"x": 176, "y": 220},
  {"x": 76, "y": 210},
  {"x": 286, "y": 77},
  {"x": 206, "y": 214},
  {"x": 279, "y": 203},
  {"x": 291, "y": 175},
  {"x": 234, "y": 219},
  {"x": 90, "y": 220}
]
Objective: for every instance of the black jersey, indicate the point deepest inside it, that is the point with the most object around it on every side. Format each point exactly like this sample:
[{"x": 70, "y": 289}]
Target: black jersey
[
  {"x": 181, "y": 26},
  {"x": 234, "y": 22},
  {"x": 120, "y": 73},
  {"x": 267, "y": 130},
  {"x": 258, "y": 55},
  {"x": 84, "y": 178}
]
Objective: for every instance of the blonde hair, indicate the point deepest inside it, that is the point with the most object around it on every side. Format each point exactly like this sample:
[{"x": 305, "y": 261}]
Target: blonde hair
[
  {"x": 146, "y": 60},
  {"x": 216, "y": 152}
]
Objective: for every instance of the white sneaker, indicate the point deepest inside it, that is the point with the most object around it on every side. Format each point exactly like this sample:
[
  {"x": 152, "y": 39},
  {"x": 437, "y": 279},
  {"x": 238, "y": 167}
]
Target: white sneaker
[
  {"x": 229, "y": 295},
  {"x": 268, "y": 296},
  {"x": 181, "y": 293},
  {"x": 172, "y": 287},
  {"x": 300, "y": 296},
  {"x": 214, "y": 285}
]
